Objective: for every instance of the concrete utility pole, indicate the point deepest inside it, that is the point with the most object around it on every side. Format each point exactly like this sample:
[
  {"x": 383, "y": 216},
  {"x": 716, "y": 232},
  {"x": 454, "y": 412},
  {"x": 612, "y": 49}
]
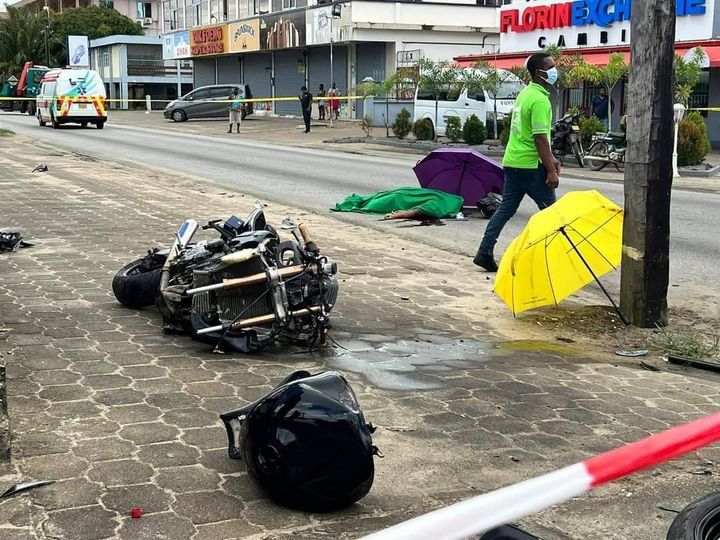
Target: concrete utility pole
[{"x": 648, "y": 168}]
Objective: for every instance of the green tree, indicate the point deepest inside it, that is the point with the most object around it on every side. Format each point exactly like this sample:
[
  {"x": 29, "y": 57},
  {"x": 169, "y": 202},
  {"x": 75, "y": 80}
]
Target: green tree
[
  {"x": 521, "y": 73},
  {"x": 491, "y": 80},
  {"x": 687, "y": 74},
  {"x": 569, "y": 76},
  {"x": 438, "y": 78},
  {"x": 94, "y": 22},
  {"x": 22, "y": 39},
  {"x": 607, "y": 76}
]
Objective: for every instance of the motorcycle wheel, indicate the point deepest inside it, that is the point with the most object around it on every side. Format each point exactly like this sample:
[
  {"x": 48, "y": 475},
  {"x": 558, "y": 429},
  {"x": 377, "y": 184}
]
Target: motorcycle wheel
[
  {"x": 599, "y": 149},
  {"x": 135, "y": 286},
  {"x": 578, "y": 153},
  {"x": 699, "y": 520}
]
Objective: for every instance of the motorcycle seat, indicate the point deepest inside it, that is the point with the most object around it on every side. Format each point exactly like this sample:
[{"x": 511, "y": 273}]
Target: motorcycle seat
[{"x": 617, "y": 134}]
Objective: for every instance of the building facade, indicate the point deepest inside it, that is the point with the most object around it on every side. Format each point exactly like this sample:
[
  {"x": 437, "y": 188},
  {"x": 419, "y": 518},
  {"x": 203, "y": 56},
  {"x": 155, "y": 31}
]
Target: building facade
[
  {"x": 597, "y": 28},
  {"x": 145, "y": 12},
  {"x": 133, "y": 68},
  {"x": 277, "y": 46}
]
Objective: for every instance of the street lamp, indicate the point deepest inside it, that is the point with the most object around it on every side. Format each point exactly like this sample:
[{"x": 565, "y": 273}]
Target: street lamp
[
  {"x": 46, "y": 9},
  {"x": 678, "y": 114},
  {"x": 335, "y": 11}
]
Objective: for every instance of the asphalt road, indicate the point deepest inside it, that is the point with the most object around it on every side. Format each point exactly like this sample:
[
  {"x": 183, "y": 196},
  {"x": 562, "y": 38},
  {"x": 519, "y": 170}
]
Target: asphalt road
[{"x": 317, "y": 179}]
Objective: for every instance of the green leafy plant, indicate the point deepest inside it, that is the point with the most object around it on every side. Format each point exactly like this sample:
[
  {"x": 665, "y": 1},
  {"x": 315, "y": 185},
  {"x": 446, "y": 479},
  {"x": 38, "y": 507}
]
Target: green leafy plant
[
  {"x": 686, "y": 74},
  {"x": 474, "y": 131},
  {"x": 607, "y": 76},
  {"x": 6, "y": 132},
  {"x": 453, "y": 128},
  {"x": 423, "y": 130},
  {"x": 521, "y": 73},
  {"x": 402, "y": 126},
  {"x": 687, "y": 345},
  {"x": 366, "y": 125},
  {"x": 693, "y": 145},
  {"x": 588, "y": 128},
  {"x": 438, "y": 78},
  {"x": 505, "y": 134}
]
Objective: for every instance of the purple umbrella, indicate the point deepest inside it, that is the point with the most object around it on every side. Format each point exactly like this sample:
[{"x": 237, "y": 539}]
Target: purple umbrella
[{"x": 461, "y": 171}]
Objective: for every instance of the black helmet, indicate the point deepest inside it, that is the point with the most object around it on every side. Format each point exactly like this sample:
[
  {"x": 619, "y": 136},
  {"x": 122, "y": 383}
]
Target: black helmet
[{"x": 306, "y": 442}]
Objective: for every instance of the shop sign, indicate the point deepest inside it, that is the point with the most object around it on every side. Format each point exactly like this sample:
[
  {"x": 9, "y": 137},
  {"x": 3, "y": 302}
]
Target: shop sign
[
  {"x": 176, "y": 45},
  {"x": 244, "y": 36},
  {"x": 283, "y": 31},
  {"x": 209, "y": 40},
  {"x": 601, "y": 13},
  {"x": 529, "y": 26}
]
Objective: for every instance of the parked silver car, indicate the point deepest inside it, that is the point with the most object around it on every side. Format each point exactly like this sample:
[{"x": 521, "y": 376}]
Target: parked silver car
[{"x": 207, "y": 102}]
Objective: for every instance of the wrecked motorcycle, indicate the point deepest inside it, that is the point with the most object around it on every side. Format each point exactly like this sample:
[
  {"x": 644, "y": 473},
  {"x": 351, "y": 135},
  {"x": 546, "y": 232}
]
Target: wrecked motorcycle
[{"x": 241, "y": 291}]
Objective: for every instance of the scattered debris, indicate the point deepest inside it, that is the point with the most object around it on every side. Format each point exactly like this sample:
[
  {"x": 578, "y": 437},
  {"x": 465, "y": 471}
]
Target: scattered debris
[
  {"x": 649, "y": 367},
  {"x": 633, "y": 353},
  {"x": 41, "y": 167},
  {"x": 565, "y": 339},
  {"x": 667, "y": 509},
  {"x": 701, "y": 471},
  {"x": 136, "y": 512},
  {"x": 400, "y": 429},
  {"x": 515, "y": 459},
  {"x": 24, "y": 486},
  {"x": 12, "y": 241}
]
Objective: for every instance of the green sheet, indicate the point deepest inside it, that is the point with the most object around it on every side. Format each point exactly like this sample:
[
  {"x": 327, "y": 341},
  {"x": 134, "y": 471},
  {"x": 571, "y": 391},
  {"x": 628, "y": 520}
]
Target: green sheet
[{"x": 431, "y": 202}]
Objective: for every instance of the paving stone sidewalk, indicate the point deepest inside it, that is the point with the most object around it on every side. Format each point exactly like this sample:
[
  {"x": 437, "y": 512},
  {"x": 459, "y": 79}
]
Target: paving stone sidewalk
[{"x": 121, "y": 415}]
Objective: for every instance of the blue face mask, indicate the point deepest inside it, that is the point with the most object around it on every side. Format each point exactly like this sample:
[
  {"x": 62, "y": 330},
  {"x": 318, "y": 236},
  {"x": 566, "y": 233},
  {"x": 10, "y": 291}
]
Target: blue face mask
[{"x": 552, "y": 75}]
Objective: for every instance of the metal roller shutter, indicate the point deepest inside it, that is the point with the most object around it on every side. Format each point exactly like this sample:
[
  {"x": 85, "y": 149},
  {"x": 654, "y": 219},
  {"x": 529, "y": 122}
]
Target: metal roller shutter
[
  {"x": 288, "y": 81},
  {"x": 370, "y": 63},
  {"x": 228, "y": 70},
  {"x": 319, "y": 68},
  {"x": 203, "y": 72},
  {"x": 254, "y": 74}
]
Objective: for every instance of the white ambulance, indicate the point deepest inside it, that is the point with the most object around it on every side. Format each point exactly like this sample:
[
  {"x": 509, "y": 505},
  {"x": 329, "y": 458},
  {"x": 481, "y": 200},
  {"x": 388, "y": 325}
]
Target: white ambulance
[{"x": 71, "y": 96}]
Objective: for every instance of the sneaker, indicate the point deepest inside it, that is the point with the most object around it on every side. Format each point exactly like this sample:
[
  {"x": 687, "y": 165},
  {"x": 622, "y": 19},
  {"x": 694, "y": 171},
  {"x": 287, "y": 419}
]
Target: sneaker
[{"x": 486, "y": 261}]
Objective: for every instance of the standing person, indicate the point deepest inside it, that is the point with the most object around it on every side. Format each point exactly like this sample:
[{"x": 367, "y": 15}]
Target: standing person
[
  {"x": 321, "y": 103},
  {"x": 235, "y": 109},
  {"x": 530, "y": 168},
  {"x": 600, "y": 107},
  {"x": 334, "y": 103},
  {"x": 306, "y": 99}
]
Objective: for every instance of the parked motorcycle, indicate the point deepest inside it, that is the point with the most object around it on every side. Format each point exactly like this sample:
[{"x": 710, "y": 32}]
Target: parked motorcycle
[
  {"x": 241, "y": 291},
  {"x": 607, "y": 148},
  {"x": 566, "y": 138}
]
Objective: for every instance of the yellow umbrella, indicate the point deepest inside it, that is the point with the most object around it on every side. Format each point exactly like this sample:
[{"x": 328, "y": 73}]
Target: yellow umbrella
[{"x": 563, "y": 248}]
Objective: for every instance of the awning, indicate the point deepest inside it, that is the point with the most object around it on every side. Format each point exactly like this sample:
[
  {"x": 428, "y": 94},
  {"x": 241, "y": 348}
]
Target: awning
[{"x": 599, "y": 57}]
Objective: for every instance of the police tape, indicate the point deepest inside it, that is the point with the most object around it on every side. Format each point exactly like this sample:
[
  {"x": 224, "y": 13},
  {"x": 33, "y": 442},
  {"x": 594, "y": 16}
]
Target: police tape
[
  {"x": 710, "y": 109},
  {"x": 511, "y": 503},
  {"x": 249, "y": 100}
]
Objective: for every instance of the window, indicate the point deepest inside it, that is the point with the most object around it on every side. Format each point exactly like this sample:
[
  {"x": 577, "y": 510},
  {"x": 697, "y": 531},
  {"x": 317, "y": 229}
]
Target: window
[
  {"x": 199, "y": 94},
  {"x": 477, "y": 94},
  {"x": 144, "y": 10},
  {"x": 288, "y": 4},
  {"x": 220, "y": 93},
  {"x": 107, "y": 4}
]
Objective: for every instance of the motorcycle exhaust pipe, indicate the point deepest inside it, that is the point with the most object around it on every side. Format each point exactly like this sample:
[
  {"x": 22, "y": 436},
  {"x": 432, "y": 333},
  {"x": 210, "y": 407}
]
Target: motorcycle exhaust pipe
[
  {"x": 596, "y": 158},
  {"x": 259, "y": 320},
  {"x": 287, "y": 272}
]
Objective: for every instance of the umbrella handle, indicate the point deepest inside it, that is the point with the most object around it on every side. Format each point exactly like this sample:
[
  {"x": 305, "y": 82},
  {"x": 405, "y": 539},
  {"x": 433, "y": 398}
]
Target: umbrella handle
[{"x": 619, "y": 311}]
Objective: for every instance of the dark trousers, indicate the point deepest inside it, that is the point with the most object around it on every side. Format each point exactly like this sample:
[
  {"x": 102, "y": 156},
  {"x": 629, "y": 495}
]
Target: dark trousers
[
  {"x": 518, "y": 183},
  {"x": 306, "y": 118}
]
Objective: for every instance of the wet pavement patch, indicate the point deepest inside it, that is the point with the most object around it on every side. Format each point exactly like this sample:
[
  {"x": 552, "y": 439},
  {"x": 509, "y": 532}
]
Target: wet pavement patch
[{"x": 404, "y": 364}]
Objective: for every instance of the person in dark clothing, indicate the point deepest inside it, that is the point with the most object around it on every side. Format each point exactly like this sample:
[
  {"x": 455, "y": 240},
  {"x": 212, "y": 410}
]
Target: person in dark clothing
[
  {"x": 306, "y": 99},
  {"x": 321, "y": 103},
  {"x": 600, "y": 106}
]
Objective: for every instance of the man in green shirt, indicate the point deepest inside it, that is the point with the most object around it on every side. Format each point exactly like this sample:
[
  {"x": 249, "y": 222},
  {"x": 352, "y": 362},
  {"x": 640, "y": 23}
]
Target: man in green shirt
[{"x": 530, "y": 168}]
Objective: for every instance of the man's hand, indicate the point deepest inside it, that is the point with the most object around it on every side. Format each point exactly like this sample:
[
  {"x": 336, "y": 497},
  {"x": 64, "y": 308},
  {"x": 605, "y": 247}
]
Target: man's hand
[
  {"x": 556, "y": 166},
  {"x": 553, "y": 180}
]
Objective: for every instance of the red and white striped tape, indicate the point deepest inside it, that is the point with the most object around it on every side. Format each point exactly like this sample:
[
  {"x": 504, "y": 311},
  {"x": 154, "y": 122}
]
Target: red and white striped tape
[{"x": 508, "y": 504}]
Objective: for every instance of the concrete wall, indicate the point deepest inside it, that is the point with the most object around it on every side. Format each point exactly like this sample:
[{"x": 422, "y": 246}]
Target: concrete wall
[
  {"x": 434, "y": 16},
  {"x": 377, "y": 110}
]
